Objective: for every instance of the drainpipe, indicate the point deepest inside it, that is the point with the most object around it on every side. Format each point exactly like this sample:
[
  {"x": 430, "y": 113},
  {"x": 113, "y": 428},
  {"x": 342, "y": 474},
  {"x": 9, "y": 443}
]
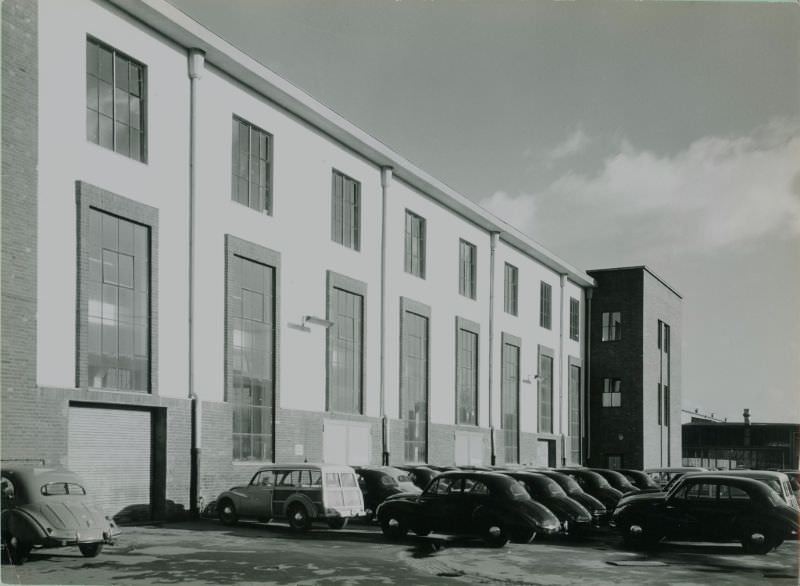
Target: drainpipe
[
  {"x": 561, "y": 371},
  {"x": 586, "y": 407},
  {"x": 386, "y": 179},
  {"x": 495, "y": 236},
  {"x": 196, "y": 65}
]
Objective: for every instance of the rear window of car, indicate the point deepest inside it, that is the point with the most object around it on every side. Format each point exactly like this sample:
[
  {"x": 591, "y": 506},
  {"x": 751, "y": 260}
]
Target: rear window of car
[
  {"x": 388, "y": 481},
  {"x": 553, "y": 489},
  {"x": 62, "y": 488},
  {"x": 518, "y": 492},
  {"x": 348, "y": 480}
]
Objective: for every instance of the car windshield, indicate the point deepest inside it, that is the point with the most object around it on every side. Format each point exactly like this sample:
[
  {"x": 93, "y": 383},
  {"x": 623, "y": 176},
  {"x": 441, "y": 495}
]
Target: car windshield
[
  {"x": 387, "y": 480},
  {"x": 553, "y": 489},
  {"x": 570, "y": 484},
  {"x": 518, "y": 492}
]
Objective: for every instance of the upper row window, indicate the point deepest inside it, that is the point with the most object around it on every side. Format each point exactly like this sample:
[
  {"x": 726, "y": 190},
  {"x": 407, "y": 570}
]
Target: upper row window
[
  {"x": 116, "y": 96},
  {"x": 612, "y": 326},
  {"x": 346, "y": 211},
  {"x": 251, "y": 166}
]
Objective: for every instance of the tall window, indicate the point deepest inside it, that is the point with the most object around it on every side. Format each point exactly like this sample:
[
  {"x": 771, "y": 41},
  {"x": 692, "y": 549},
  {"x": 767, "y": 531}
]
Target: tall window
[
  {"x": 466, "y": 373},
  {"x": 345, "y": 351},
  {"x": 467, "y": 267},
  {"x": 612, "y": 326},
  {"x": 415, "y": 245},
  {"x": 119, "y": 303},
  {"x": 546, "y": 305},
  {"x": 664, "y": 373},
  {"x": 252, "y": 316},
  {"x": 511, "y": 289},
  {"x": 414, "y": 385},
  {"x": 545, "y": 393},
  {"x": 612, "y": 392},
  {"x": 251, "y": 166},
  {"x": 346, "y": 211},
  {"x": 115, "y": 100},
  {"x": 614, "y": 461},
  {"x": 574, "y": 390},
  {"x": 574, "y": 318},
  {"x": 510, "y": 401}
]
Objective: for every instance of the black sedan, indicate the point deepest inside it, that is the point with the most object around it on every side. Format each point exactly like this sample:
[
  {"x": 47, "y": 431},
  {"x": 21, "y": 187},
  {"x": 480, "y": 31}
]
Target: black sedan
[
  {"x": 595, "y": 485},
  {"x": 640, "y": 479},
  {"x": 575, "y": 492},
  {"x": 616, "y": 479},
  {"x": 575, "y": 519},
  {"x": 712, "y": 507},
  {"x": 420, "y": 475},
  {"x": 487, "y": 504},
  {"x": 377, "y": 483}
]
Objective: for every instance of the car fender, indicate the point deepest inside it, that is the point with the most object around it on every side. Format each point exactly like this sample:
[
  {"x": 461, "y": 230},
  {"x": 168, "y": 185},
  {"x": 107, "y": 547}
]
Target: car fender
[
  {"x": 234, "y": 496},
  {"x": 313, "y": 510},
  {"x": 25, "y": 526},
  {"x": 403, "y": 508}
]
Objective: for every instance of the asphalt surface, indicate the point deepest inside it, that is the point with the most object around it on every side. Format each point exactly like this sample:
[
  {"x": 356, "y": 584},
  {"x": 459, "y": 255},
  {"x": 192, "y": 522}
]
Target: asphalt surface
[{"x": 208, "y": 553}]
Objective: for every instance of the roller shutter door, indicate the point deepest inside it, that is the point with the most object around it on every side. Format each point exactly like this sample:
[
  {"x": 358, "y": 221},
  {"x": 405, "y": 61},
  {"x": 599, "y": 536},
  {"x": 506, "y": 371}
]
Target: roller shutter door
[{"x": 111, "y": 450}]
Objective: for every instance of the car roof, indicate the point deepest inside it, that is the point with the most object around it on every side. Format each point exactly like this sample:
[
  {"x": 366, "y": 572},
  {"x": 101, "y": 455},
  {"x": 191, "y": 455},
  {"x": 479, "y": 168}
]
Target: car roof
[
  {"x": 746, "y": 474},
  {"x": 740, "y": 481},
  {"x": 308, "y": 466},
  {"x": 40, "y": 475},
  {"x": 676, "y": 469}
]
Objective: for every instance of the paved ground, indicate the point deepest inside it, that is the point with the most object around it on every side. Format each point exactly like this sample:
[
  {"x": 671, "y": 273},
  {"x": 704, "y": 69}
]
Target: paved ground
[{"x": 207, "y": 553}]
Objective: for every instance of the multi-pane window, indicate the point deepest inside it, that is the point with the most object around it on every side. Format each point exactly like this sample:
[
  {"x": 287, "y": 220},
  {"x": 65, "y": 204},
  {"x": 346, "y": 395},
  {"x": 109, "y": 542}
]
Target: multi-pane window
[
  {"x": 415, "y": 245},
  {"x": 346, "y": 211},
  {"x": 252, "y": 315},
  {"x": 414, "y": 386},
  {"x": 545, "y": 393},
  {"x": 574, "y": 391},
  {"x": 614, "y": 461},
  {"x": 664, "y": 373},
  {"x": 119, "y": 303},
  {"x": 115, "y": 100},
  {"x": 612, "y": 392},
  {"x": 345, "y": 352},
  {"x": 467, "y": 268},
  {"x": 611, "y": 326},
  {"x": 466, "y": 377},
  {"x": 574, "y": 318},
  {"x": 511, "y": 289},
  {"x": 546, "y": 305},
  {"x": 251, "y": 166},
  {"x": 510, "y": 401}
]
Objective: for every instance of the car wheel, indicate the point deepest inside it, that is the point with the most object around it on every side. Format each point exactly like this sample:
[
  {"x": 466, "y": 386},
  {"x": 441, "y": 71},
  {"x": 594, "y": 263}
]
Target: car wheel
[
  {"x": 17, "y": 550},
  {"x": 495, "y": 534},
  {"x": 337, "y": 523},
  {"x": 90, "y": 550},
  {"x": 422, "y": 530},
  {"x": 393, "y": 526},
  {"x": 227, "y": 512},
  {"x": 523, "y": 535},
  {"x": 759, "y": 541},
  {"x": 636, "y": 535},
  {"x": 298, "y": 518}
]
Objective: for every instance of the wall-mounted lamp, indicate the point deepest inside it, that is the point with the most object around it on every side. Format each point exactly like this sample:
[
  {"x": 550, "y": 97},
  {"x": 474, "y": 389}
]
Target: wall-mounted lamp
[{"x": 317, "y": 321}]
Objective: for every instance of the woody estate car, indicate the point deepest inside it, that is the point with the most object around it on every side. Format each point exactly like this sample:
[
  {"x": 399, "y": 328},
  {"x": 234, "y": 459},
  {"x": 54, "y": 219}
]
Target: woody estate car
[
  {"x": 299, "y": 493},
  {"x": 487, "y": 504},
  {"x": 47, "y": 507}
]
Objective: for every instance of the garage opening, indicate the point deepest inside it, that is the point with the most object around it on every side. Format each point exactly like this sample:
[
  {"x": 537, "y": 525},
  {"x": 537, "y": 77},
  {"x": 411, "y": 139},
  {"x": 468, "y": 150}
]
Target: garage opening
[{"x": 120, "y": 454}]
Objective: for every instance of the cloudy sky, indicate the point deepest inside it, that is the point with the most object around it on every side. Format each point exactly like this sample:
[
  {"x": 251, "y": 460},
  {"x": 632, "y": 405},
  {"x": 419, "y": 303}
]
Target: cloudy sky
[{"x": 614, "y": 133}]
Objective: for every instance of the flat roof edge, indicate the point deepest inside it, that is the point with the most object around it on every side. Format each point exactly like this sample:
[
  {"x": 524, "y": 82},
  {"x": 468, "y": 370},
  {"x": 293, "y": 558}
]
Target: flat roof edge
[{"x": 644, "y": 268}]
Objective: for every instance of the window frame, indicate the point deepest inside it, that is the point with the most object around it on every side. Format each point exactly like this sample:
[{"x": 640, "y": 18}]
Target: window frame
[
  {"x": 409, "y": 265},
  {"x": 511, "y": 289},
  {"x": 264, "y": 201},
  {"x": 612, "y": 392},
  {"x": 352, "y": 240},
  {"x": 545, "y": 424},
  {"x": 115, "y": 119},
  {"x": 546, "y": 305},
  {"x": 574, "y": 319},
  {"x": 467, "y": 269},
  {"x": 470, "y": 327},
  {"x": 610, "y": 330}
]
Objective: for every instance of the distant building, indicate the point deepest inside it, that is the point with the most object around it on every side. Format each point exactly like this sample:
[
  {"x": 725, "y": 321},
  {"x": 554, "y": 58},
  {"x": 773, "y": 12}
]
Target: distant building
[
  {"x": 741, "y": 444},
  {"x": 634, "y": 370}
]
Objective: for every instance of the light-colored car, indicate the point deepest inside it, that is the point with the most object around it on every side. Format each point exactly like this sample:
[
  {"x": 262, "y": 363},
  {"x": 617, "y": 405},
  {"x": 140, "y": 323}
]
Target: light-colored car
[
  {"x": 777, "y": 481},
  {"x": 663, "y": 476},
  {"x": 49, "y": 507},
  {"x": 299, "y": 493}
]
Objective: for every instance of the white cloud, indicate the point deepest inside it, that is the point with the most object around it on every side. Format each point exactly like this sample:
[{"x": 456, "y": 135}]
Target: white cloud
[
  {"x": 718, "y": 192},
  {"x": 572, "y": 145}
]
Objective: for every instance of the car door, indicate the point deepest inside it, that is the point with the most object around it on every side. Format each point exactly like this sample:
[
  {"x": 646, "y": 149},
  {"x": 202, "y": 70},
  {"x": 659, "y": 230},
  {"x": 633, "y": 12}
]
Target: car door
[
  {"x": 686, "y": 509},
  {"x": 737, "y": 504},
  {"x": 436, "y": 506},
  {"x": 257, "y": 502}
]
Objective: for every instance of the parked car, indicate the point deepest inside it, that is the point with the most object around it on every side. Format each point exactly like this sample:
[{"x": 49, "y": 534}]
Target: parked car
[
  {"x": 616, "y": 479},
  {"x": 575, "y": 492},
  {"x": 640, "y": 479},
  {"x": 574, "y": 518},
  {"x": 709, "y": 507},
  {"x": 794, "y": 481},
  {"x": 595, "y": 485},
  {"x": 663, "y": 475},
  {"x": 420, "y": 475},
  {"x": 777, "y": 481},
  {"x": 379, "y": 482},
  {"x": 487, "y": 504},
  {"x": 300, "y": 493},
  {"x": 47, "y": 507}
]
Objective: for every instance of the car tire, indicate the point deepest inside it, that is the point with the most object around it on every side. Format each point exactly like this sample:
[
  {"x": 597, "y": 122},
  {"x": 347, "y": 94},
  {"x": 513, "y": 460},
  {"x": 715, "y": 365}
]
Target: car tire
[
  {"x": 227, "y": 513},
  {"x": 422, "y": 530},
  {"x": 637, "y": 535},
  {"x": 337, "y": 523},
  {"x": 495, "y": 534},
  {"x": 393, "y": 526},
  {"x": 17, "y": 550},
  {"x": 757, "y": 540},
  {"x": 523, "y": 535},
  {"x": 298, "y": 518},
  {"x": 90, "y": 550}
]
